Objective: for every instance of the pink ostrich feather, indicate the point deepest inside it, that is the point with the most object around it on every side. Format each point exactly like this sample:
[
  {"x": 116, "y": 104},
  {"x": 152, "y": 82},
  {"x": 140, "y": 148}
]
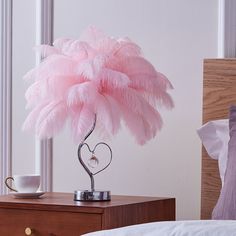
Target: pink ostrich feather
[{"x": 95, "y": 75}]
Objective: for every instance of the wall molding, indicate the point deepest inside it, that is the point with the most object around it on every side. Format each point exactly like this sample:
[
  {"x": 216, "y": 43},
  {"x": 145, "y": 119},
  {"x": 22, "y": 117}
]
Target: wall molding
[
  {"x": 230, "y": 29},
  {"x": 221, "y": 27},
  {"x": 227, "y": 29},
  {"x": 44, "y": 148},
  {"x": 5, "y": 92}
]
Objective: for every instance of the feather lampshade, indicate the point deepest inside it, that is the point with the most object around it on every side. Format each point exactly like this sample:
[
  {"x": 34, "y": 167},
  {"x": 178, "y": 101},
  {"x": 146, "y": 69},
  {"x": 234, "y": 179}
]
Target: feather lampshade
[{"x": 95, "y": 81}]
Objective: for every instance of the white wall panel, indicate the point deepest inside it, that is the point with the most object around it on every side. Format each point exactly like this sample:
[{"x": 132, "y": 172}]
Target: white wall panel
[{"x": 23, "y": 148}]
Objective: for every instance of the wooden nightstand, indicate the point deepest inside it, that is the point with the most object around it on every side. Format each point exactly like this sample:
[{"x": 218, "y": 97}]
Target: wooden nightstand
[{"x": 56, "y": 214}]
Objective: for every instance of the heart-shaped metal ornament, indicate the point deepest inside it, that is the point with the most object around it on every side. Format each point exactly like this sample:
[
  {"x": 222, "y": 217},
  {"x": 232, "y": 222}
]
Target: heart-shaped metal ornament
[{"x": 92, "y": 163}]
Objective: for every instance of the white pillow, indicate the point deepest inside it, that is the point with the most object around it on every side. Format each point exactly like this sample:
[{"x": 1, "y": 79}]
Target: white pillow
[{"x": 215, "y": 137}]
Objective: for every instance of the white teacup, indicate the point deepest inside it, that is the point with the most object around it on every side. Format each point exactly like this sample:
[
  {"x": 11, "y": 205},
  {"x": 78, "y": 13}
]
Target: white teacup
[{"x": 24, "y": 183}]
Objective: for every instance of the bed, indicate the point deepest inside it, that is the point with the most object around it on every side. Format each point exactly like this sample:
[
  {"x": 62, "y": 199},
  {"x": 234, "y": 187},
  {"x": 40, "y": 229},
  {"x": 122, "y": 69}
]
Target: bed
[{"x": 219, "y": 93}]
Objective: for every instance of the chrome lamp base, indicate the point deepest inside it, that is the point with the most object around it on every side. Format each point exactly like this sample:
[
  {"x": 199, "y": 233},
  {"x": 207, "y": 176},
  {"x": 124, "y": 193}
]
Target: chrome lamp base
[{"x": 91, "y": 196}]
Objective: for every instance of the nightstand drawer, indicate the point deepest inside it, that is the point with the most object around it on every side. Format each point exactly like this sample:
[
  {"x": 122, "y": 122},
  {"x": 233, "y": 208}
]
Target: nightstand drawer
[{"x": 13, "y": 222}]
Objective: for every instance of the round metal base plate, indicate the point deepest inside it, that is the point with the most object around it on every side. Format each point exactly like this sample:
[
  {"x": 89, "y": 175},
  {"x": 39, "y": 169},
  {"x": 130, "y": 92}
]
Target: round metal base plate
[{"x": 90, "y": 196}]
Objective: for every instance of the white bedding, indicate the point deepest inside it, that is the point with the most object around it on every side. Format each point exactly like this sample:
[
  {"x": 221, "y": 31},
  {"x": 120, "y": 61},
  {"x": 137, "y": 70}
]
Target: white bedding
[{"x": 174, "y": 228}]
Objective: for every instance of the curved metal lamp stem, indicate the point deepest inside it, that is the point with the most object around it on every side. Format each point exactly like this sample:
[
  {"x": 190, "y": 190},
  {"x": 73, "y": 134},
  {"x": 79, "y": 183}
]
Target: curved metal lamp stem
[
  {"x": 79, "y": 154},
  {"x": 92, "y": 195}
]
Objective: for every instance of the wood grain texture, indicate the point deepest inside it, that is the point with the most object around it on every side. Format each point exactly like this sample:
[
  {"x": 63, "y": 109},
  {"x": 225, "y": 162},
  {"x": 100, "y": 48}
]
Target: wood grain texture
[
  {"x": 131, "y": 214},
  {"x": 219, "y": 92},
  {"x": 44, "y": 223},
  {"x": 57, "y": 214}
]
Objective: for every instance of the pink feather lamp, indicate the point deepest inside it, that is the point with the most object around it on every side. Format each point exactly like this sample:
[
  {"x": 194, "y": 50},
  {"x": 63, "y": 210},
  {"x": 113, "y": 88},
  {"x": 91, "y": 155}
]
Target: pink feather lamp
[{"x": 95, "y": 81}]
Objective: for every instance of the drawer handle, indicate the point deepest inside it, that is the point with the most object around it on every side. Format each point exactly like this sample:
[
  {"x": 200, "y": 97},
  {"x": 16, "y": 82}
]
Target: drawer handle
[{"x": 28, "y": 231}]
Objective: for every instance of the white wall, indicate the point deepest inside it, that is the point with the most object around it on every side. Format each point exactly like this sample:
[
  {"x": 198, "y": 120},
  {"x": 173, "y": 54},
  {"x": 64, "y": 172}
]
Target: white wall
[
  {"x": 23, "y": 60},
  {"x": 175, "y": 36}
]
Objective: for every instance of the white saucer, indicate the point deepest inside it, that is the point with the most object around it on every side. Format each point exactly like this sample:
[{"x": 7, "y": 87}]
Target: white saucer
[{"x": 27, "y": 195}]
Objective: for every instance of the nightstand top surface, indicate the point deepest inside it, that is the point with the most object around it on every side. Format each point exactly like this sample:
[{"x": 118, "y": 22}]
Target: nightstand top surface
[{"x": 60, "y": 201}]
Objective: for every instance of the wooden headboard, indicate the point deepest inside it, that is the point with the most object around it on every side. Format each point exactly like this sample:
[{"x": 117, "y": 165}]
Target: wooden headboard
[{"x": 219, "y": 92}]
